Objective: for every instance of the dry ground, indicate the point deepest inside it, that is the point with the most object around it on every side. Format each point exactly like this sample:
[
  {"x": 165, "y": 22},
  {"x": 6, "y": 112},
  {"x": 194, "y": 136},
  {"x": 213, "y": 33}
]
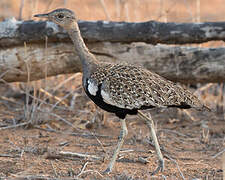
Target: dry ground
[{"x": 191, "y": 141}]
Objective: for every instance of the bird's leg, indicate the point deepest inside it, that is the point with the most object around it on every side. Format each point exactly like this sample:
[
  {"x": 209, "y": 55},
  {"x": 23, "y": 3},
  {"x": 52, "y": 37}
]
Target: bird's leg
[
  {"x": 121, "y": 137},
  {"x": 150, "y": 124}
]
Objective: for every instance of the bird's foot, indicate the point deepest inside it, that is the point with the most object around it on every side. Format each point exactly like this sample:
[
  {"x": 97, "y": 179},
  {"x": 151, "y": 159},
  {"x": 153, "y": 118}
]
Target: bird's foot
[
  {"x": 107, "y": 171},
  {"x": 159, "y": 168}
]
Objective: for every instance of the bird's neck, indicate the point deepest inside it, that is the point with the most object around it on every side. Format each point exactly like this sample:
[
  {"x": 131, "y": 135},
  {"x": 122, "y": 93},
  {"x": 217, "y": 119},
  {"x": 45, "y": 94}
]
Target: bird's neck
[{"x": 88, "y": 60}]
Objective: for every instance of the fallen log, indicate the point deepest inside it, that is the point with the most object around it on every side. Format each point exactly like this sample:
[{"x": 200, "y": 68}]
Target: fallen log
[
  {"x": 13, "y": 32},
  {"x": 182, "y": 64}
]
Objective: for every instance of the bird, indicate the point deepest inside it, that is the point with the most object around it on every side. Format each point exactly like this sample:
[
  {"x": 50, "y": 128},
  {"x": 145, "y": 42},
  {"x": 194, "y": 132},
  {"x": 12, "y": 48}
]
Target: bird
[{"x": 121, "y": 88}]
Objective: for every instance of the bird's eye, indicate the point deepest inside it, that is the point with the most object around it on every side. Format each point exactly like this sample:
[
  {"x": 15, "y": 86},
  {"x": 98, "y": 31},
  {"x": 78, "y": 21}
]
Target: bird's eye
[{"x": 60, "y": 16}]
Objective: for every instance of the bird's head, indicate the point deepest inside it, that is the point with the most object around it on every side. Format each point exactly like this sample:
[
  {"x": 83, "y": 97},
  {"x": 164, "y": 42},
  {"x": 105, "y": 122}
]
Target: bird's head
[{"x": 63, "y": 17}]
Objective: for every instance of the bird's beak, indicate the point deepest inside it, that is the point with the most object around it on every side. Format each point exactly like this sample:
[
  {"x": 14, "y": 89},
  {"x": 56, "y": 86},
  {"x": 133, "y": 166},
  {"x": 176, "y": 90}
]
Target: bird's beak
[{"x": 41, "y": 15}]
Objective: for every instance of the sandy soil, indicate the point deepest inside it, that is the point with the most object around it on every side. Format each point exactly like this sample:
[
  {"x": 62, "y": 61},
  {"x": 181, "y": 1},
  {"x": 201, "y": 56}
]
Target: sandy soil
[{"x": 189, "y": 140}]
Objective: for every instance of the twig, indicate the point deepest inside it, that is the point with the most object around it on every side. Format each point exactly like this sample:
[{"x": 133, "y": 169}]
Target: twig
[
  {"x": 29, "y": 112},
  {"x": 14, "y": 126},
  {"x": 9, "y": 155},
  {"x": 10, "y": 100},
  {"x": 219, "y": 153},
  {"x": 189, "y": 10},
  {"x": 52, "y": 154},
  {"x": 95, "y": 144},
  {"x": 102, "y": 2},
  {"x": 126, "y": 151},
  {"x": 152, "y": 144},
  {"x": 175, "y": 162},
  {"x": 174, "y": 132},
  {"x": 62, "y": 100},
  {"x": 168, "y": 10},
  {"x": 57, "y": 116},
  {"x": 188, "y": 114},
  {"x": 54, "y": 97},
  {"x": 21, "y": 9},
  {"x": 203, "y": 88},
  {"x": 99, "y": 143},
  {"x": 56, "y": 175},
  {"x": 43, "y": 102},
  {"x": 73, "y": 100},
  {"x": 82, "y": 170},
  {"x": 65, "y": 143},
  {"x": 3, "y": 74},
  {"x": 67, "y": 80},
  {"x": 65, "y": 2},
  {"x": 48, "y": 5},
  {"x": 143, "y": 160},
  {"x": 126, "y": 11},
  {"x": 94, "y": 172},
  {"x": 118, "y": 7},
  {"x": 72, "y": 154},
  {"x": 140, "y": 160},
  {"x": 198, "y": 9}
]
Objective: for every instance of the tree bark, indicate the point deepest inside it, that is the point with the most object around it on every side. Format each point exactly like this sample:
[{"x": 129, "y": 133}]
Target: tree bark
[
  {"x": 13, "y": 32},
  {"x": 182, "y": 64}
]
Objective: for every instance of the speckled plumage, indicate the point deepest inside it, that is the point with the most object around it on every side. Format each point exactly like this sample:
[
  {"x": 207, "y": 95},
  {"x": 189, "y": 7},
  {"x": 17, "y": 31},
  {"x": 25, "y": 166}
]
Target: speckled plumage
[{"x": 133, "y": 87}]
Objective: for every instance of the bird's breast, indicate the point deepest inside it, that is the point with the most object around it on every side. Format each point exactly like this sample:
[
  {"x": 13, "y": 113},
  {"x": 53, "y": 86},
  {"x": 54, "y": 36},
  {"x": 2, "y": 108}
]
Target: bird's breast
[
  {"x": 97, "y": 90},
  {"x": 103, "y": 100}
]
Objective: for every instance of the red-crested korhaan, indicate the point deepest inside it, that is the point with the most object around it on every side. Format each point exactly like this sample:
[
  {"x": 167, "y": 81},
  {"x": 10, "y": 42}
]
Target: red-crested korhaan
[{"x": 123, "y": 89}]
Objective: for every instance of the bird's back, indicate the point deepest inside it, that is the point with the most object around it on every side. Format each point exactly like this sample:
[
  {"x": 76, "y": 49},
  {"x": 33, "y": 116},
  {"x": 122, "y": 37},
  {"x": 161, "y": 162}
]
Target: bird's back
[{"x": 131, "y": 87}]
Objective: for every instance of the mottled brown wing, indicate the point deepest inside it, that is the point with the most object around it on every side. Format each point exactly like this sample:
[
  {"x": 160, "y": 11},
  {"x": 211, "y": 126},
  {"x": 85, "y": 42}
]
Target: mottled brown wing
[{"x": 133, "y": 87}]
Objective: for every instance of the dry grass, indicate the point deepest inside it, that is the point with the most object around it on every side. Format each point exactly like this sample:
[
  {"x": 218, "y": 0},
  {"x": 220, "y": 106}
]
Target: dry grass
[{"x": 60, "y": 108}]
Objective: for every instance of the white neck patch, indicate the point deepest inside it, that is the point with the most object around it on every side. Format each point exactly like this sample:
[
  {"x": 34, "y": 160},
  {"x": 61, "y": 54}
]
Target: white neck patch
[{"x": 92, "y": 88}]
